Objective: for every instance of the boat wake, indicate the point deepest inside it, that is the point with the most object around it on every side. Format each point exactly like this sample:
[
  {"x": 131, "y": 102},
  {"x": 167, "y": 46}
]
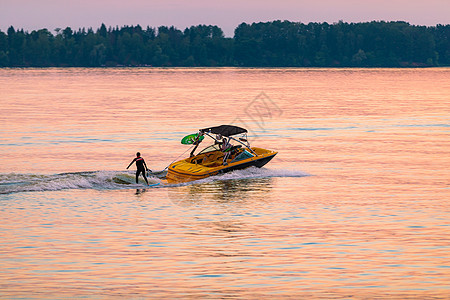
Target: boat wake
[
  {"x": 116, "y": 180},
  {"x": 249, "y": 173}
]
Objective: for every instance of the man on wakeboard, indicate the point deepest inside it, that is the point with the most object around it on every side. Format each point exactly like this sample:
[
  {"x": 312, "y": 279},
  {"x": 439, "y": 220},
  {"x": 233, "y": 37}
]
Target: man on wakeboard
[{"x": 141, "y": 167}]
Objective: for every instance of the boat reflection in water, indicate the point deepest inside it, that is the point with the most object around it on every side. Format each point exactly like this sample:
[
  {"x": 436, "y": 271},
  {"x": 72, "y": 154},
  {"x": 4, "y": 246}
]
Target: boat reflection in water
[
  {"x": 222, "y": 192},
  {"x": 220, "y": 157}
]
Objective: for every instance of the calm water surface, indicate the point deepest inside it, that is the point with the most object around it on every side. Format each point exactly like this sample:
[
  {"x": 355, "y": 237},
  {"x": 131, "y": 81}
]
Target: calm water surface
[{"x": 355, "y": 205}]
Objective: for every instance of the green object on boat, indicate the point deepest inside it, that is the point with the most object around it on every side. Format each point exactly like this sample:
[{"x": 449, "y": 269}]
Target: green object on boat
[{"x": 190, "y": 139}]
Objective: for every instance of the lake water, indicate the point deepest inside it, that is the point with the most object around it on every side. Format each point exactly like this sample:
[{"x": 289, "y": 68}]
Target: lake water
[{"x": 355, "y": 204}]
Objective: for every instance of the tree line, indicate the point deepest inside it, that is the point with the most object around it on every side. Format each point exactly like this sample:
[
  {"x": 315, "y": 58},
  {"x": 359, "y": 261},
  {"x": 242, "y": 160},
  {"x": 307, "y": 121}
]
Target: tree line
[{"x": 265, "y": 44}]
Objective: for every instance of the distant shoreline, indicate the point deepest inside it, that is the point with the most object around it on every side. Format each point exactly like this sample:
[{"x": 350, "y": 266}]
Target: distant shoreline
[
  {"x": 277, "y": 44},
  {"x": 229, "y": 67}
]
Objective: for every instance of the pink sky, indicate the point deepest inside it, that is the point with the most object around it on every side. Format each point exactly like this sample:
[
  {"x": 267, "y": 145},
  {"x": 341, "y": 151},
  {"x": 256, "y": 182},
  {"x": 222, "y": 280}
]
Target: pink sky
[{"x": 51, "y": 14}]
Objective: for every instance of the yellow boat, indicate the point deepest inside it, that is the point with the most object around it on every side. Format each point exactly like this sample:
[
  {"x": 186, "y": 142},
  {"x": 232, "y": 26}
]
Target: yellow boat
[{"x": 220, "y": 157}]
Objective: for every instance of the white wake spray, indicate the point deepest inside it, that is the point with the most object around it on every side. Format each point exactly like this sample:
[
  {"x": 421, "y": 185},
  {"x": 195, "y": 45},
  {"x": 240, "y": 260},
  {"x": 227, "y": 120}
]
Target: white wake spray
[{"x": 116, "y": 180}]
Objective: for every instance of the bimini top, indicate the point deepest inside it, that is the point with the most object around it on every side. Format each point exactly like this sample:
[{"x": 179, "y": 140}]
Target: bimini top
[{"x": 225, "y": 130}]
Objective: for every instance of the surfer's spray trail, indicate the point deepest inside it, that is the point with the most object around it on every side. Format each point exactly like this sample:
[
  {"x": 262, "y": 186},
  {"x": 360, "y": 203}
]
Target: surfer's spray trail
[{"x": 115, "y": 180}]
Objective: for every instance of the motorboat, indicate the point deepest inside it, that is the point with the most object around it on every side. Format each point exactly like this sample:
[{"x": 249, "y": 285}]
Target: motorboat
[{"x": 230, "y": 150}]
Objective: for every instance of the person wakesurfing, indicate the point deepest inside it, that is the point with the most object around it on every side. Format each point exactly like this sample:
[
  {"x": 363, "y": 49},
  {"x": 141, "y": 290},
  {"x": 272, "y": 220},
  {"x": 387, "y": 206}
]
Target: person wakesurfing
[{"x": 141, "y": 167}]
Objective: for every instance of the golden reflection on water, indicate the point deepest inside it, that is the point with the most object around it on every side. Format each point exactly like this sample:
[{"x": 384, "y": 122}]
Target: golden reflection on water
[{"x": 370, "y": 222}]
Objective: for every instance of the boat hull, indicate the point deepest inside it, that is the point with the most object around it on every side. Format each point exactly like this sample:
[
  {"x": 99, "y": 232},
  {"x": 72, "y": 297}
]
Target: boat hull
[{"x": 185, "y": 170}]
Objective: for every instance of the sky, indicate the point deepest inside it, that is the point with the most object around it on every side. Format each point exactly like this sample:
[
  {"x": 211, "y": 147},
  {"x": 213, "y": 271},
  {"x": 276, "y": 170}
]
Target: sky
[{"x": 227, "y": 14}]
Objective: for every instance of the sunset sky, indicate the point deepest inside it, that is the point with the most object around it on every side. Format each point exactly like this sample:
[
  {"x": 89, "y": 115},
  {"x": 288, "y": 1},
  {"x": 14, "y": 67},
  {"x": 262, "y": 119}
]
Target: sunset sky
[{"x": 51, "y": 14}]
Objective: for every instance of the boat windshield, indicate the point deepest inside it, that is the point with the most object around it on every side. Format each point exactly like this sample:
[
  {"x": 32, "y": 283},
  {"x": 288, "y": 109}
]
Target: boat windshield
[{"x": 210, "y": 149}]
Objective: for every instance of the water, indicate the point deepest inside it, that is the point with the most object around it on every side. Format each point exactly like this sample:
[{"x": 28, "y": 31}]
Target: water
[{"x": 355, "y": 205}]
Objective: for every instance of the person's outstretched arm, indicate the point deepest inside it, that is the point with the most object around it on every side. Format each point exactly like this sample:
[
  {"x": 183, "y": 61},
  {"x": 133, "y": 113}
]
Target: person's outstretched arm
[{"x": 131, "y": 163}]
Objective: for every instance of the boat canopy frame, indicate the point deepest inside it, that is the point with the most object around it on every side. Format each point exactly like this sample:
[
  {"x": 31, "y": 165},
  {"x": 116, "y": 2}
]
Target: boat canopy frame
[
  {"x": 224, "y": 130},
  {"x": 228, "y": 131}
]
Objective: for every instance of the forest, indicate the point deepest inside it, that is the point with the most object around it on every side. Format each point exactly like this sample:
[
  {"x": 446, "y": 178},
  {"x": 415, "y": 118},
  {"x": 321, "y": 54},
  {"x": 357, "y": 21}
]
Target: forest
[{"x": 264, "y": 44}]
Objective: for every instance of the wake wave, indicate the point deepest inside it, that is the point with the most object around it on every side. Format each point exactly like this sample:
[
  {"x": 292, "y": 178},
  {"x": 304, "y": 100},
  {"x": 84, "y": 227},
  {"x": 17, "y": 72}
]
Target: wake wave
[
  {"x": 254, "y": 172},
  {"x": 115, "y": 180},
  {"x": 16, "y": 183}
]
